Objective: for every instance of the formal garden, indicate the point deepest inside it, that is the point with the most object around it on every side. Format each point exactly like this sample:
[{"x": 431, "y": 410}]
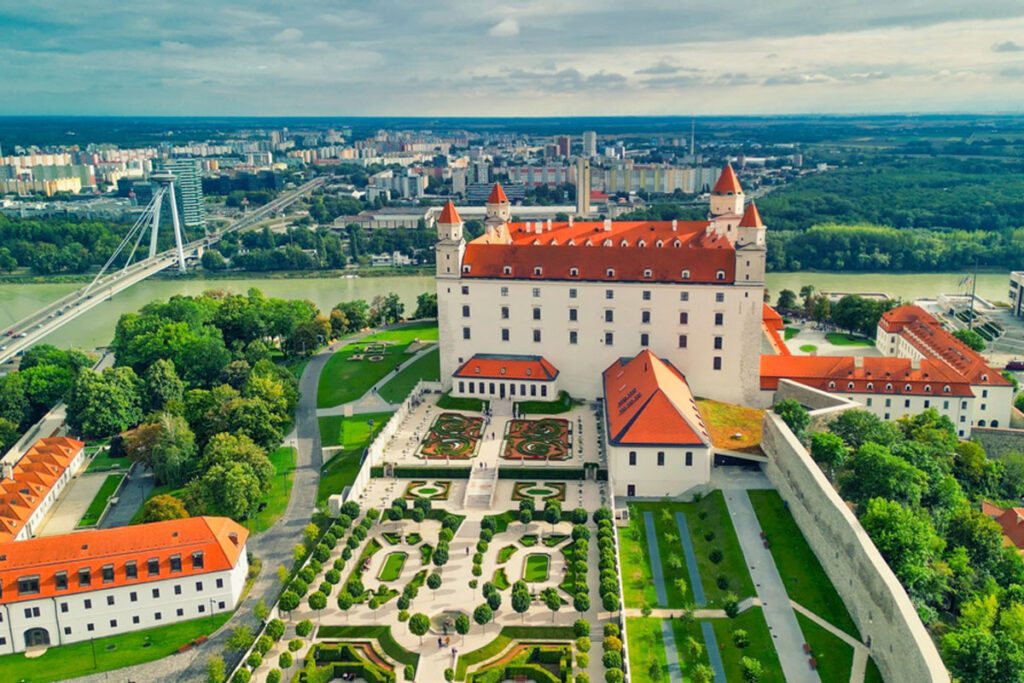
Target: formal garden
[
  {"x": 538, "y": 491},
  {"x": 545, "y": 439},
  {"x": 430, "y": 490},
  {"x": 452, "y": 436}
]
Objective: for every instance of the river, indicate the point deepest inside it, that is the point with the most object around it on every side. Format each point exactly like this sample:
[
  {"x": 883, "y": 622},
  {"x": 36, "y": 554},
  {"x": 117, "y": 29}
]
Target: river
[{"x": 97, "y": 327}]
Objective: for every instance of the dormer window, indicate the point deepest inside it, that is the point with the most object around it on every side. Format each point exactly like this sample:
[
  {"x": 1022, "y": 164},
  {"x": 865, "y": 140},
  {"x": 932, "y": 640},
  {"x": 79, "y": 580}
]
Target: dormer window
[
  {"x": 648, "y": 273},
  {"x": 927, "y": 388},
  {"x": 538, "y": 270},
  {"x": 686, "y": 275},
  {"x": 984, "y": 378},
  {"x": 849, "y": 385},
  {"x": 831, "y": 385},
  {"x": 907, "y": 388},
  {"x": 677, "y": 244},
  {"x": 529, "y": 372},
  {"x": 659, "y": 244},
  {"x": 623, "y": 243},
  {"x": 720, "y": 275},
  {"x": 641, "y": 244},
  {"x": 506, "y": 270},
  {"x": 466, "y": 268},
  {"x": 574, "y": 272},
  {"x": 871, "y": 386},
  {"x": 610, "y": 272},
  {"x": 607, "y": 243},
  {"x": 888, "y": 387},
  {"x": 945, "y": 389}
]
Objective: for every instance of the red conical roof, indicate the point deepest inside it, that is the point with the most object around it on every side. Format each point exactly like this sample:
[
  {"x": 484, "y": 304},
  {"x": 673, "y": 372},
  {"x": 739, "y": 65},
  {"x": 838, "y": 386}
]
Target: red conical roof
[
  {"x": 497, "y": 195},
  {"x": 449, "y": 216},
  {"x": 727, "y": 183},
  {"x": 751, "y": 217}
]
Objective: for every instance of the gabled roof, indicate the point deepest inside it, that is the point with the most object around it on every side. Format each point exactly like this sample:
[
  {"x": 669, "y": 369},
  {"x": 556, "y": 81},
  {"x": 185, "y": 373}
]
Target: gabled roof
[
  {"x": 751, "y": 217},
  {"x": 648, "y": 402},
  {"x": 219, "y": 539},
  {"x": 875, "y": 375},
  {"x": 1011, "y": 520},
  {"x": 31, "y": 479},
  {"x": 449, "y": 215},
  {"x": 498, "y": 195},
  {"x": 727, "y": 182},
  {"x": 497, "y": 366}
]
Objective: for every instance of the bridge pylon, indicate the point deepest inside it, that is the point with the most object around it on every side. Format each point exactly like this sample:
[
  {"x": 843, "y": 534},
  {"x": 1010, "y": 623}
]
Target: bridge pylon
[{"x": 166, "y": 181}]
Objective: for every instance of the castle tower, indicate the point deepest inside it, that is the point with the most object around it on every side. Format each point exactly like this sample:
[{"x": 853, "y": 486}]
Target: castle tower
[
  {"x": 750, "y": 246},
  {"x": 450, "y": 243},
  {"x": 727, "y": 195}
]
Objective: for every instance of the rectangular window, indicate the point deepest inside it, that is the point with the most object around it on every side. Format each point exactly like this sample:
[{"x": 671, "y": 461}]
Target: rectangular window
[
  {"x": 869, "y": 401},
  {"x": 28, "y": 585},
  {"x": 645, "y": 339},
  {"x": 689, "y": 458},
  {"x": 632, "y": 457},
  {"x": 719, "y": 297},
  {"x": 716, "y": 363},
  {"x": 61, "y": 581},
  {"x": 465, "y": 289},
  {"x": 646, "y": 295},
  {"x": 533, "y": 390},
  {"x": 888, "y": 402},
  {"x": 84, "y": 577},
  {"x": 536, "y": 313},
  {"x": 90, "y": 627},
  {"x": 543, "y": 390},
  {"x": 609, "y": 316},
  {"x": 135, "y": 619},
  {"x": 175, "y": 564},
  {"x": 110, "y": 600},
  {"x": 682, "y": 341},
  {"x": 177, "y": 590},
  {"x": 718, "y": 343},
  {"x": 661, "y": 458},
  {"x": 64, "y": 607},
  {"x": 220, "y": 583},
  {"x": 573, "y": 315},
  {"x": 504, "y": 312},
  {"x": 131, "y": 569},
  {"x": 536, "y": 336},
  {"x": 719, "y": 318},
  {"x": 153, "y": 566},
  {"x": 945, "y": 405},
  {"x": 609, "y": 338},
  {"x": 504, "y": 291},
  {"x": 87, "y": 604},
  {"x": 536, "y": 292},
  {"x": 465, "y": 333},
  {"x": 462, "y": 386},
  {"x": 107, "y": 572},
  {"x": 984, "y": 393},
  {"x": 573, "y": 337},
  {"x": 684, "y": 318},
  {"x": 156, "y": 592},
  {"x": 906, "y": 403},
  {"x": 158, "y": 616},
  {"x": 684, "y": 296},
  {"x": 199, "y": 586},
  {"x": 504, "y": 334},
  {"x": 645, "y": 317},
  {"x": 609, "y": 294},
  {"x": 927, "y": 403},
  {"x": 133, "y": 597}
]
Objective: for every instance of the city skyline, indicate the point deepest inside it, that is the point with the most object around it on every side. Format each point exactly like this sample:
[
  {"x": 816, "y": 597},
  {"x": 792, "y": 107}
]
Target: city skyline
[{"x": 511, "y": 59}]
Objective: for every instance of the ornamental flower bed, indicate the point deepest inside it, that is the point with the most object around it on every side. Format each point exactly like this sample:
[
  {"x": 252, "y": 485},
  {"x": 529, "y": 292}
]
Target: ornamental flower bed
[
  {"x": 546, "y": 439},
  {"x": 452, "y": 436}
]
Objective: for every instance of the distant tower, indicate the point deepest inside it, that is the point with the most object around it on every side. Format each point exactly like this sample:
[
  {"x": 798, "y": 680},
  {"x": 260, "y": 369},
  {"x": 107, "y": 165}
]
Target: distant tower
[
  {"x": 693, "y": 140},
  {"x": 582, "y": 186},
  {"x": 497, "y": 214},
  {"x": 450, "y": 243},
  {"x": 590, "y": 143},
  {"x": 188, "y": 182},
  {"x": 727, "y": 195},
  {"x": 750, "y": 246}
]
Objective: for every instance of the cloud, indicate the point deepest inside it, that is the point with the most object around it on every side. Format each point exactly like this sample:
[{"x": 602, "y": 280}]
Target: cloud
[
  {"x": 288, "y": 35},
  {"x": 660, "y": 69},
  {"x": 797, "y": 79},
  {"x": 1007, "y": 46},
  {"x": 506, "y": 28}
]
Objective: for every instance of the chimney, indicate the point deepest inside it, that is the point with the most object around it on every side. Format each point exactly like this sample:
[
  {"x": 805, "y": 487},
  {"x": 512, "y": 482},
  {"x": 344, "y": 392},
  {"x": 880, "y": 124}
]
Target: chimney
[
  {"x": 607, "y": 224},
  {"x": 570, "y": 221},
  {"x": 858, "y": 361},
  {"x": 7, "y": 471},
  {"x": 549, "y": 225},
  {"x": 675, "y": 225},
  {"x": 915, "y": 363}
]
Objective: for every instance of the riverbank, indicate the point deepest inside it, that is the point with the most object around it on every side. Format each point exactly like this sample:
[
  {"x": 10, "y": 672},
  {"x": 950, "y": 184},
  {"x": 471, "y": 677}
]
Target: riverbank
[{"x": 27, "y": 278}]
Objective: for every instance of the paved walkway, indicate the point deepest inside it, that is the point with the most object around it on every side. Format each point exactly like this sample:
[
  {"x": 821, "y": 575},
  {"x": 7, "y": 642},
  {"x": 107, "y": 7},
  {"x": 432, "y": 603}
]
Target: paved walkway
[
  {"x": 714, "y": 656},
  {"x": 371, "y": 401},
  {"x": 131, "y": 497},
  {"x": 73, "y": 503},
  {"x": 691, "y": 561},
  {"x": 861, "y": 653},
  {"x": 774, "y": 600},
  {"x": 675, "y": 673},
  {"x": 652, "y": 549}
]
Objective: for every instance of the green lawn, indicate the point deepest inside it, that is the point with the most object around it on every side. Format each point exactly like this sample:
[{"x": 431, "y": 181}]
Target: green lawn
[
  {"x": 382, "y": 634},
  {"x": 683, "y": 632},
  {"x": 715, "y": 521},
  {"x": 276, "y": 501},
  {"x": 808, "y": 348},
  {"x": 791, "y": 332},
  {"x": 392, "y": 567},
  {"x": 761, "y": 646},
  {"x": 805, "y": 580},
  {"x": 99, "y": 503},
  {"x": 647, "y": 660},
  {"x": 872, "y": 674},
  {"x": 426, "y": 367},
  {"x": 449, "y": 402},
  {"x": 354, "y": 434},
  {"x": 423, "y": 330},
  {"x": 835, "y": 658},
  {"x": 536, "y": 569},
  {"x": 637, "y": 581},
  {"x": 500, "y": 580},
  {"x": 506, "y": 636},
  {"x": 562, "y": 404},
  {"x": 71, "y": 661},
  {"x": 842, "y": 339},
  {"x": 103, "y": 462}
]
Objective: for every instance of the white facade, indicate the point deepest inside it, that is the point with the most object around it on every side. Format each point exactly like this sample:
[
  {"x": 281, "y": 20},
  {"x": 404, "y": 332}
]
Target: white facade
[
  {"x": 488, "y": 388},
  {"x": 51, "y": 497},
  {"x": 82, "y": 615},
  {"x": 657, "y": 471}
]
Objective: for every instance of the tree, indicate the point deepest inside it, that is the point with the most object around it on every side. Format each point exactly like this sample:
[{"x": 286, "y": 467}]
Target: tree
[
  {"x": 356, "y": 314},
  {"x": 215, "y": 671},
  {"x": 807, "y": 294},
  {"x": 231, "y": 490},
  {"x": 905, "y": 538},
  {"x": 9, "y": 434},
  {"x": 521, "y": 599},
  {"x": 752, "y": 669},
  {"x": 419, "y": 624},
  {"x": 581, "y": 602},
  {"x": 213, "y": 260},
  {"x": 426, "y": 306},
  {"x": 525, "y": 517},
  {"x": 552, "y": 513},
  {"x": 225, "y": 449},
  {"x": 317, "y": 601},
  {"x": 462, "y": 626},
  {"x": 483, "y": 615},
  {"x": 161, "y": 508},
  {"x": 161, "y": 386},
  {"x": 433, "y": 582},
  {"x": 875, "y": 472},
  {"x": 828, "y": 450},
  {"x": 240, "y": 639},
  {"x": 167, "y": 446},
  {"x": 552, "y": 601},
  {"x": 345, "y": 602},
  {"x": 971, "y": 338},
  {"x": 787, "y": 300},
  {"x": 975, "y": 655},
  {"x": 857, "y": 427},
  {"x": 794, "y": 415},
  {"x": 977, "y": 474},
  {"x": 105, "y": 403}
]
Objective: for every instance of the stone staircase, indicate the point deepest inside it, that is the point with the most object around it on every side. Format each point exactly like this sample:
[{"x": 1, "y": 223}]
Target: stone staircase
[{"x": 480, "y": 488}]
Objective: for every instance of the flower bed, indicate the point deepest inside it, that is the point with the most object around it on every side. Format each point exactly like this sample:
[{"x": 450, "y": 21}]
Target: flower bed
[
  {"x": 546, "y": 439},
  {"x": 538, "y": 491},
  {"x": 452, "y": 436},
  {"x": 430, "y": 490}
]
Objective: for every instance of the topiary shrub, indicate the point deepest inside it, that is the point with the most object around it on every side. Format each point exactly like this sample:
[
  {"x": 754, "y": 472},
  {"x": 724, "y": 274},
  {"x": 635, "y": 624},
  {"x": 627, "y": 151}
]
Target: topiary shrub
[
  {"x": 304, "y": 627},
  {"x": 581, "y": 628},
  {"x": 582, "y": 660},
  {"x": 722, "y": 581},
  {"x": 275, "y": 629},
  {"x": 583, "y": 644},
  {"x": 731, "y": 604},
  {"x": 274, "y": 676},
  {"x": 611, "y": 660},
  {"x": 715, "y": 555},
  {"x": 286, "y": 660},
  {"x": 254, "y": 660},
  {"x": 295, "y": 644},
  {"x": 242, "y": 676},
  {"x": 611, "y": 630},
  {"x": 740, "y": 638}
]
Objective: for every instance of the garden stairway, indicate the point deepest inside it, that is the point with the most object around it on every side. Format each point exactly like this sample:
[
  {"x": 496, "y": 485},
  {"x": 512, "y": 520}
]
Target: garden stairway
[{"x": 480, "y": 487}]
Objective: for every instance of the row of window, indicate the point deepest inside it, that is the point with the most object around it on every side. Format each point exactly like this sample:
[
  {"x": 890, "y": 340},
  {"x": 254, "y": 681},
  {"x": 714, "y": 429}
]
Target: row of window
[
  {"x": 609, "y": 315},
  {"x": 29, "y": 585},
  {"x": 660, "y": 458},
  {"x": 481, "y": 388},
  {"x": 111, "y": 602},
  {"x": 157, "y": 616},
  {"x": 538, "y": 271},
  {"x": 608, "y": 294},
  {"x": 609, "y": 340}
]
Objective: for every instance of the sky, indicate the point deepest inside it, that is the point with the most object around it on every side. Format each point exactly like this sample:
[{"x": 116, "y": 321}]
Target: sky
[{"x": 514, "y": 58}]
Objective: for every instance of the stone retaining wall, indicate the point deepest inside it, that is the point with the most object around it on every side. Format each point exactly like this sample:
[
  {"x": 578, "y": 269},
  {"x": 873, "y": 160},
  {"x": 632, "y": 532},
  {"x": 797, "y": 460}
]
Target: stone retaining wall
[{"x": 998, "y": 441}]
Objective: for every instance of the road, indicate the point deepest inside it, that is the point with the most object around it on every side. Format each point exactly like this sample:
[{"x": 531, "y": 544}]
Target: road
[{"x": 46, "y": 320}]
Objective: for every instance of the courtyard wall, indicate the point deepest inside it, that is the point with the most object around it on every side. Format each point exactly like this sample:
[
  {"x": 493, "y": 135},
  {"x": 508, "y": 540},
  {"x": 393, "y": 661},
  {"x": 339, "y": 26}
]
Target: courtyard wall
[
  {"x": 899, "y": 642},
  {"x": 998, "y": 441}
]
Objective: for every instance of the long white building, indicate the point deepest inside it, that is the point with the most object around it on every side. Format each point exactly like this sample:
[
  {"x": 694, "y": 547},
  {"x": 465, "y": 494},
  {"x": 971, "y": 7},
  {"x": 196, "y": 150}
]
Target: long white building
[
  {"x": 585, "y": 294},
  {"x": 64, "y": 589}
]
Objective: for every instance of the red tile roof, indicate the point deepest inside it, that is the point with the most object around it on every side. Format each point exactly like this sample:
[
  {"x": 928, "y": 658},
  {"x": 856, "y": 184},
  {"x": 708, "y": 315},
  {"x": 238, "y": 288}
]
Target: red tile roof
[
  {"x": 32, "y": 477},
  {"x": 751, "y": 217},
  {"x": 1011, "y": 520},
  {"x": 635, "y": 251},
  {"x": 927, "y": 335},
  {"x": 219, "y": 539},
  {"x": 498, "y": 195},
  {"x": 727, "y": 183},
  {"x": 771, "y": 317},
  {"x": 496, "y": 366},
  {"x": 648, "y": 402},
  {"x": 449, "y": 215},
  {"x": 879, "y": 375}
]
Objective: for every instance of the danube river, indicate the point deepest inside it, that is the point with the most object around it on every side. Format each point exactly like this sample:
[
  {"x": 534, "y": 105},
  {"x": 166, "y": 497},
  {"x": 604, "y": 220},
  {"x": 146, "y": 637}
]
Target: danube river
[{"x": 97, "y": 327}]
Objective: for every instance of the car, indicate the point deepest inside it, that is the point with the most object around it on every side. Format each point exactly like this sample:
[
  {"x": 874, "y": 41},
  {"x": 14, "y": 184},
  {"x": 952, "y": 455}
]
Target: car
[
  {"x": 22, "y": 335},
  {"x": 1015, "y": 365}
]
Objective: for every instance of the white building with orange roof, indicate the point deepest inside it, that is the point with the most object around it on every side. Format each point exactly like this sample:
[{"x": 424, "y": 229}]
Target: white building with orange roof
[
  {"x": 583, "y": 294},
  {"x": 655, "y": 436},
  {"x": 30, "y": 487},
  {"x": 64, "y": 589}
]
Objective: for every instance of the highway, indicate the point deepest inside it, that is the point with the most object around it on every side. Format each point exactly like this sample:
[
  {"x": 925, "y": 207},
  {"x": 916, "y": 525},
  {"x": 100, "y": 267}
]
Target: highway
[{"x": 44, "y": 321}]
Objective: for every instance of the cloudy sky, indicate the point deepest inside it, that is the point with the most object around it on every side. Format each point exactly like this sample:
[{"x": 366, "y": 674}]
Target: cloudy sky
[{"x": 519, "y": 57}]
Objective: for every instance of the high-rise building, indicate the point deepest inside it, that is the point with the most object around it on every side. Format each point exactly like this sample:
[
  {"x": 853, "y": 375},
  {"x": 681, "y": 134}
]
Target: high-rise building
[
  {"x": 582, "y": 186},
  {"x": 564, "y": 145},
  {"x": 188, "y": 187},
  {"x": 590, "y": 143}
]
